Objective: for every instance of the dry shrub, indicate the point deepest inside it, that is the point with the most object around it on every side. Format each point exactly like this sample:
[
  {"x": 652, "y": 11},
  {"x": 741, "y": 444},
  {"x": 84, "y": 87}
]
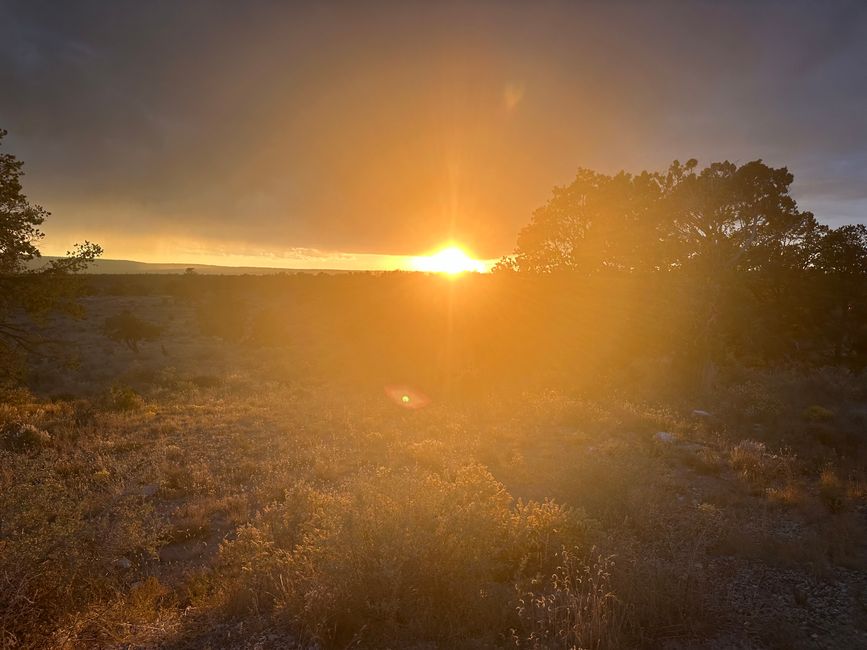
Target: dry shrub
[
  {"x": 791, "y": 494},
  {"x": 396, "y": 556},
  {"x": 120, "y": 619},
  {"x": 748, "y": 458},
  {"x": 123, "y": 398},
  {"x": 184, "y": 480},
  {"x": 856, "y": 490},
  {"x": 574, "y": 608},
  {"x": 32, "y": 426},
  {"x": 704, "y": 460},
  {"x": 832, "y": 489},
  {"x": 816, "y": 413},
  {"x": 662, "y": 575},
  {"x": 23, "y": 436}
]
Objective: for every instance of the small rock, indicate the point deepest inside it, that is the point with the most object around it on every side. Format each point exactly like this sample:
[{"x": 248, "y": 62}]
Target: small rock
[
  {"x": 701, "y": 414},
  {"x": 122, "y": 563},
  {"x": 663, "y": 436}
]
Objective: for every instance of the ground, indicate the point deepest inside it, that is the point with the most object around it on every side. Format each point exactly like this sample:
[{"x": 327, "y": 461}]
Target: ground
[{"x": 205, "y": 493}]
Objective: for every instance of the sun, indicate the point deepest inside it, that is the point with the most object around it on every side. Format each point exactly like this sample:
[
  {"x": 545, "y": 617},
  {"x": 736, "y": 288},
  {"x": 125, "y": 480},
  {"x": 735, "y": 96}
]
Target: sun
[{"x": 451, "y": 260}]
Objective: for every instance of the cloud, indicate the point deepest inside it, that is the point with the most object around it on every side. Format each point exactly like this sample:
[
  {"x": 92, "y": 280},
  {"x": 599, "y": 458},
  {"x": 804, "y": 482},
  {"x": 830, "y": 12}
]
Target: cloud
[{"x": 394, "y": 127}]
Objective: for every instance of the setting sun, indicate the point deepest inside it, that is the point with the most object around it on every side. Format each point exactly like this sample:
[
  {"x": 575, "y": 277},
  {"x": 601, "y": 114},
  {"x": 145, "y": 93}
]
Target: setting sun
[
  {"x": 451, "y": 260},
  {"x": 463, "y": 324}
]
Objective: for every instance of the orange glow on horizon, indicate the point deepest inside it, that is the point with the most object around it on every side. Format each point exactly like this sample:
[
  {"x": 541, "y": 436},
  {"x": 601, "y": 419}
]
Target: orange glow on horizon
[{"x": 452, "y": 259}]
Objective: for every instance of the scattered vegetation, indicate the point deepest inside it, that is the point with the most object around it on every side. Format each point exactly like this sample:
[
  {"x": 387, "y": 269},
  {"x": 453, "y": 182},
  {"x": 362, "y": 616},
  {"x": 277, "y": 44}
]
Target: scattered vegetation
[
  {"x": 271, "y": 511},
  {"x": 583, "y": 450}
]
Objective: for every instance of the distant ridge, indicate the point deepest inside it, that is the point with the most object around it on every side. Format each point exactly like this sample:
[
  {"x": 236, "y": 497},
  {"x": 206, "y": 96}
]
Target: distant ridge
[{"x": 130, "y": 267}]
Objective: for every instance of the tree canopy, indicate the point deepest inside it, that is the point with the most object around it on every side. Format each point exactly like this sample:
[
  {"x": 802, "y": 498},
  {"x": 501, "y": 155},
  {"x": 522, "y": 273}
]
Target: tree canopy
[
  {"x": 747, "y": 272},
  {"x": 25, "y": 290},
  {"x": 721, "y": 218}
]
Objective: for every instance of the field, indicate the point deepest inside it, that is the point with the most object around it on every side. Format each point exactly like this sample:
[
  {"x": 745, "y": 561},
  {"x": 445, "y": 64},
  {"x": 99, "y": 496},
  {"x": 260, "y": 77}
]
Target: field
[{"x": 413, "y": 462}]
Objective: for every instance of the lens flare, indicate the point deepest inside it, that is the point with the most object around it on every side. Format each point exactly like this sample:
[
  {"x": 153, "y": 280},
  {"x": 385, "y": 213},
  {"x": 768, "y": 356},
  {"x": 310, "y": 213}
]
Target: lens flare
[{"x": 406, "y": 397}]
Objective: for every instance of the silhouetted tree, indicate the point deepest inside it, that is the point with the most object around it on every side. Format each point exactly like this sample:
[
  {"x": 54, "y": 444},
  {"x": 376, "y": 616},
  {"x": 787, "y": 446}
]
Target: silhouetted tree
[
  {"x": 23, "y": 289},
  {"x": 126, "y": 328},
  {"x": 842, "y": 251},
  {"x": 841, "y": 258},
  {"x": 721, "y": 218},
  {"x": 597, "y": 222},
  {"x": 727, "y": 217},
  {"x": 746, "y": 272}
]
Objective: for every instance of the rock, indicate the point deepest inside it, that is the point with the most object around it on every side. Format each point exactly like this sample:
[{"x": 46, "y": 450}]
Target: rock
[
  {"x": 701, "y": 414},
  {"x": 663, "y": 436},
  {"x": 122, "y": 563}
]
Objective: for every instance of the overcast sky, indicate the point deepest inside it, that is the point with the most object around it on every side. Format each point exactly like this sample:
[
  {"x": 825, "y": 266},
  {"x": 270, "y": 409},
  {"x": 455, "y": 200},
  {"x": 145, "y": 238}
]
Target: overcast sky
[{"x": 225, "y": 131}]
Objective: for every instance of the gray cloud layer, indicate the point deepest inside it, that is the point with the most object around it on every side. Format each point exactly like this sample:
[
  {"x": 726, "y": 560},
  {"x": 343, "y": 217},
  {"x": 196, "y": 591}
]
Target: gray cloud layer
[{"x": 390, "y": 127}]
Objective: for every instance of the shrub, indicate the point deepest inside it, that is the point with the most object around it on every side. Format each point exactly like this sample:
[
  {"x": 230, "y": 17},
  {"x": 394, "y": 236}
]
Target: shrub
[
  {"x": 831, "y": 489},
  {"x": 574, "y": 608},
  {"x": 748, "y": 458},
  {"x": 816, "y": 413},
  {"x": 124, "y": 398},
  {"x": 17, "y": 436},
  {"x": 396, "y": 555},
  {"x": 130, "y": 330}
]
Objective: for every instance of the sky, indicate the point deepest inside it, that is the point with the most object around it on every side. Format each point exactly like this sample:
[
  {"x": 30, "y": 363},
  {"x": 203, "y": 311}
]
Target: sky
[{"x": 353, "y": 135}]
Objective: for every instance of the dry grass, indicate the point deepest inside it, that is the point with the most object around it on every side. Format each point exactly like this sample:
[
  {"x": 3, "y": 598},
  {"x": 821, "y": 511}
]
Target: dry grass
[{"x": 225, "y": 495}]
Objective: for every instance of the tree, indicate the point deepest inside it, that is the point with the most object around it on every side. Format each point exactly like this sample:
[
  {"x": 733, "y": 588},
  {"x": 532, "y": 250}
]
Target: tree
[
  {"x": 130, "y": 330},
  {"x": 840, "y": 257},
  {"x": 19, "y": 220},
  {"x": 596, "y": 222},
  {"x": 842, "y": 251},
  {"x": 735, "y": 245},
  {"x": 25, "y": 290},
  {"x": 728, "y": 217},
  {"x": 721, "y": 218}
]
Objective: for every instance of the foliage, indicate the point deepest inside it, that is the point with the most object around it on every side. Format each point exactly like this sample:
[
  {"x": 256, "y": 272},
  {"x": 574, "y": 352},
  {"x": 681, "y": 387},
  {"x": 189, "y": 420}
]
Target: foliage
[
  {"x": 397, "y": 556},
  {"x": 253, "y": 512},
  {"x": 130, "y": 330},
  {"x": 33, "y": 291},
  {"x": 745, "y": 272},
  {"x": 722, "y": 218},
  {"x": 573, "y": 608}
]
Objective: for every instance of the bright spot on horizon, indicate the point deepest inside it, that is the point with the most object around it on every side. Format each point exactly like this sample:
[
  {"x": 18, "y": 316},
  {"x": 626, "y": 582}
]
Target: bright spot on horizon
[{"x": 451, "y": 260}]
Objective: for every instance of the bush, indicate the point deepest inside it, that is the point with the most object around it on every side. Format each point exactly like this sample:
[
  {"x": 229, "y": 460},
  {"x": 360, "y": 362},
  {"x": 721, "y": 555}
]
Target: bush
[
  {"x": 816, "y": 413},
  {"x": 17, "y": 436},
  {"x": 396, "y": 556},
  {"x": 832, "y": 489},
  {"x": 574, "y": 608},
  {"x": 126, "y": 328},
  {"x": 124, "y": 398},
  {"x": 748, "y": 458}
]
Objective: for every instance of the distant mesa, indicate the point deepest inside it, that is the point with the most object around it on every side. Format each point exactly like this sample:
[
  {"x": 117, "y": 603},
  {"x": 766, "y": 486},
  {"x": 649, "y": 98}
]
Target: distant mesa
[{"x": 130, "y": 267}]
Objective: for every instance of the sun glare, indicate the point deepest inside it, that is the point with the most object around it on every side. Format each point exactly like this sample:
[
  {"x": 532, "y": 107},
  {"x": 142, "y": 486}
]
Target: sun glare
[{"x": 451, "y": 260}]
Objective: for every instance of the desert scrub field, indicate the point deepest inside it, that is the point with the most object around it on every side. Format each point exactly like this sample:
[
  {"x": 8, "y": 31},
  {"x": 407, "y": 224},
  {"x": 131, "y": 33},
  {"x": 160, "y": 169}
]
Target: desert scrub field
[{"x": 204, "y": 492}]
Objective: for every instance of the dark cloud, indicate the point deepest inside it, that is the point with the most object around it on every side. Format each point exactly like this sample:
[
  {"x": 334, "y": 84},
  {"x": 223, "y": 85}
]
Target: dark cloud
[{"x": 390, "y": 127}]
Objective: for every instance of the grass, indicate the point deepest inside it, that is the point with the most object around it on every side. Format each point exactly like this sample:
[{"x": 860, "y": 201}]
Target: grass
[{"x": 227, "y": 496}]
